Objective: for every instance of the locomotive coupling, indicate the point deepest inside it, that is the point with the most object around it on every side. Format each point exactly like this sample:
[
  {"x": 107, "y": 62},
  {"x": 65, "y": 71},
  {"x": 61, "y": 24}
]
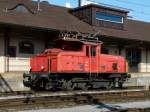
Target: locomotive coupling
[
  {"x": 27, "y": 80},
  {"x": 129, "y": 75}
]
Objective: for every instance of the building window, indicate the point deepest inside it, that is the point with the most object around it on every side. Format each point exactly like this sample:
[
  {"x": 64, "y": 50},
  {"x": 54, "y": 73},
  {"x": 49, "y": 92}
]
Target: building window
[
  {"x": 12, "y": 51},
  {"x": 109, "y": 17},
  {"x": 26, "y": 47},
  {"x": 21, "y": 8},
  {"x": 133, "y": 56}
]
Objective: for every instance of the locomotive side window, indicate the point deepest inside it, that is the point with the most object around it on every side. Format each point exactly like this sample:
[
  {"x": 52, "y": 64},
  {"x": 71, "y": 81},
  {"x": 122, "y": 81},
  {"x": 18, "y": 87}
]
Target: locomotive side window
[
  {"x": 104, "y": 50},
  {"x": 87, "y": 50},
  {"x": 93, "y": 51},
  {"x": 115, "y": 66}
]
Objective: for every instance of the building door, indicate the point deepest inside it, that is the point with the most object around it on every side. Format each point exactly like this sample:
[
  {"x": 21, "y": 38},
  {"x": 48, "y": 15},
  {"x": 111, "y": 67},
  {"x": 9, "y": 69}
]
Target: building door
[{"x": 133, "y": 56}]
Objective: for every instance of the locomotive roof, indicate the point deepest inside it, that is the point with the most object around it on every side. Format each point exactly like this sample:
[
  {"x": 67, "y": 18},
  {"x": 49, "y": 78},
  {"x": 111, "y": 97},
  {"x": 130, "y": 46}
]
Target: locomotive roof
[{"x": 86, "y": 42}]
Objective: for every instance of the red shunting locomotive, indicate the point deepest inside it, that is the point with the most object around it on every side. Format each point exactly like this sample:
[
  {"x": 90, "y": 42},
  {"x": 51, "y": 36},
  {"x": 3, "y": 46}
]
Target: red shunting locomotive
[{"x": 75, "y": 63}]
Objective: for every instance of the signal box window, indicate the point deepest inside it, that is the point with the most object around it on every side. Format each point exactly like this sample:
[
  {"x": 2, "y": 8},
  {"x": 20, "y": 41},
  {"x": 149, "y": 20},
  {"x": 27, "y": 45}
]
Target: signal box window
[
  {"x": 26, "y": 47},
  {"x": 93, "y": 51}
]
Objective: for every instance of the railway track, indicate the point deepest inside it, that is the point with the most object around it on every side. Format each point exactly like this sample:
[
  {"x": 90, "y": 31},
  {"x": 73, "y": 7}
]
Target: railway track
[
  {"x": 61, "y": 99},
  {"x": 11, "y": 93}
]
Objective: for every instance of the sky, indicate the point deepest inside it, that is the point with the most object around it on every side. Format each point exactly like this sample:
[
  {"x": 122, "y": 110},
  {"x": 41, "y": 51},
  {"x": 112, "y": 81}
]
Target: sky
[{"x": 139, "y": 9}]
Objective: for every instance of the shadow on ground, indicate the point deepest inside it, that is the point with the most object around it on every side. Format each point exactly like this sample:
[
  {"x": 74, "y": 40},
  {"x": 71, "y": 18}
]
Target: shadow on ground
[{"x": 4, "y": 86}]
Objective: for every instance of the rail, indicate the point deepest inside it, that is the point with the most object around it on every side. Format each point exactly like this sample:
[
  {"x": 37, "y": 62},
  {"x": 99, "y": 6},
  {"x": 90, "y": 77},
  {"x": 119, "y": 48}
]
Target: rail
[{"x": 55, "y": 99}]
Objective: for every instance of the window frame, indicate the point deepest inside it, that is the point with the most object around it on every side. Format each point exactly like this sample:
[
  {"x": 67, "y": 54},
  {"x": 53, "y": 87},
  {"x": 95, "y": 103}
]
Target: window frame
[
  {"x": 108, "y": 14},
  {"x": 26, "y": 52},
  {"x": 12, "y": 51}
]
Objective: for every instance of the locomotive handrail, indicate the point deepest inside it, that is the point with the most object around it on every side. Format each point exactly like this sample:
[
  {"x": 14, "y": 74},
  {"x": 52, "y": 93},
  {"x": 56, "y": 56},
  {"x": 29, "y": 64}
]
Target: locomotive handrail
[{"x": 83, "y": 37}]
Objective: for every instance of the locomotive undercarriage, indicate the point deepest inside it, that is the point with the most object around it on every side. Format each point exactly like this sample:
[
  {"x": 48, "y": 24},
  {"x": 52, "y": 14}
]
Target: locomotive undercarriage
[{"x": 71, "y": 81}]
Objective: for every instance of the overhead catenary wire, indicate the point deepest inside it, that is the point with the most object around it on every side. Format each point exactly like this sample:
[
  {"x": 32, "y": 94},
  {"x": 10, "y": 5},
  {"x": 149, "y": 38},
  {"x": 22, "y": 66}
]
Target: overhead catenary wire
[{"x": 133, "y": 3}]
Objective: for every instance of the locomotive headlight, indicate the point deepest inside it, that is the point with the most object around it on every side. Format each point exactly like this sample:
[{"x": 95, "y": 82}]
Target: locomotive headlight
[
  {"x": 30, "y": 69},
  {"x": 42, "y": 68}
]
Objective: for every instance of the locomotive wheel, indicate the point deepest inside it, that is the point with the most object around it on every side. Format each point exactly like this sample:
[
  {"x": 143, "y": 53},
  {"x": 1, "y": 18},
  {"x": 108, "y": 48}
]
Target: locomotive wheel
[
  {"x": 118, "y": 83},
  {"x": 83, "y": 86},
  {"x": 68, "y": 85},
  {"x": 109, "y": 85}
]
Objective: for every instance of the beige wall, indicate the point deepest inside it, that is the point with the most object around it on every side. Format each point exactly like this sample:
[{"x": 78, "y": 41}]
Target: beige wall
[
  {"x": 19, "y": 64},
  {"x": 21, "y": 61},
  {"x": 143, "y": 66},
  {"x": 2, "y": 64}
]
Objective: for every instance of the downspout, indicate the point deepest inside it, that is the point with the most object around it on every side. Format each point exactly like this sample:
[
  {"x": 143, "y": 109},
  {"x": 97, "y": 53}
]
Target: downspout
[
  {"x": 6, "y": 48},
  {"x": 146, "y": 58}
]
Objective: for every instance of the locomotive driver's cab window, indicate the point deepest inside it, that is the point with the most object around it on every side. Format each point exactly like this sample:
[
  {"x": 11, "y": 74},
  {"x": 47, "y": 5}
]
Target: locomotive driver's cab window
[
  {"x": 93, "y": 50},
  {"x": 87, "y": 50},
  {"x": 69, "y": 45}
]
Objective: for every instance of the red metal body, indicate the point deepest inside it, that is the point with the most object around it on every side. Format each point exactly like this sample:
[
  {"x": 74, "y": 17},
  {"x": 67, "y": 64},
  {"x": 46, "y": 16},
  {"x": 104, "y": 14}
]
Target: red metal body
[{"x": 76, "y": 56}]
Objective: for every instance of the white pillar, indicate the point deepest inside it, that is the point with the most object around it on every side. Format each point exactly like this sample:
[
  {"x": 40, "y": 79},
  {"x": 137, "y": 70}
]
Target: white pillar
[{"x": 2, "y": 62}]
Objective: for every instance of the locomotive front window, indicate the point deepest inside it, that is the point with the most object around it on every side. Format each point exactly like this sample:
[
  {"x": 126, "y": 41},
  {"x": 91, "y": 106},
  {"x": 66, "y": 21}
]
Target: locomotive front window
[
  {"x": 93, "y": 51},
  {"x": 87, "y": 50},
  {"x": 69, "y": 46}
]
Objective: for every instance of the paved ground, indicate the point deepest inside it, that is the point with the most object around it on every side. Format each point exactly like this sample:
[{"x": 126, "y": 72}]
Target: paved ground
[{"x": 98, "y": 108}]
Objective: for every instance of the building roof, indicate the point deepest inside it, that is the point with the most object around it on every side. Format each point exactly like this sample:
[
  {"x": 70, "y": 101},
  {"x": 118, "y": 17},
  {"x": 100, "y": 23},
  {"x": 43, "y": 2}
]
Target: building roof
[
  {"x": 104, "y": 6},
  {"x": 50, "y": 16},
  {"x": 53, "y": 17}
]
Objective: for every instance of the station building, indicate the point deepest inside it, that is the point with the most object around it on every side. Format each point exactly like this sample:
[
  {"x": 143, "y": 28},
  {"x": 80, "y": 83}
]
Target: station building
[{"x": 27, "y": 28}]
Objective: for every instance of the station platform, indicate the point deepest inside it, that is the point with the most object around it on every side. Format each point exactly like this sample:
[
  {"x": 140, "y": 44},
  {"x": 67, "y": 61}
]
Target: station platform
[
  {"x": 139, "y": 79},
  {"x": 13, "y": 81}
]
